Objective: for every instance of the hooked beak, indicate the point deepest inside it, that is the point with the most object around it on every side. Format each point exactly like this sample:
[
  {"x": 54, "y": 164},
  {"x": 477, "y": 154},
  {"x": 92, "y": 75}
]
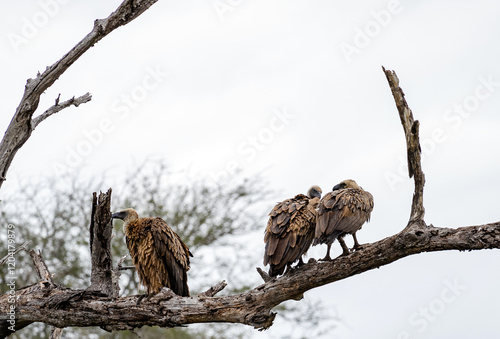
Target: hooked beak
[{"x": 119, "y": 215}]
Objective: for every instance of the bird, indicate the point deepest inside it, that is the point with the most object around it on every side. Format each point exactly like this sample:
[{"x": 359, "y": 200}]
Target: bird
[
  {"x": 290, "y": 231},
  {"x": 342, "y": 211},
  {"x": 160, "y": 257}
]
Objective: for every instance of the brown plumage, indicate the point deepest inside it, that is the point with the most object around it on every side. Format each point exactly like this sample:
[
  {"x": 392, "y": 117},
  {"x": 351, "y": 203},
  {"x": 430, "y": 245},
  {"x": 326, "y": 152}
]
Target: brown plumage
[
  {"x": 340, "y": 212},
  {"x": 290, "y": 231},
  {"x": 160, "y": 257}
]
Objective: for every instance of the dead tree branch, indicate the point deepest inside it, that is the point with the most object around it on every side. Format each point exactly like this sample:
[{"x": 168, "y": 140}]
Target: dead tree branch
[
  {"x": 22, "y": 124},
  {"x": 254, "y": 307},
  {"x": 411, "y": 129},
  {"x": 100, "y": 244},
  {"x": 56, "y": 333},
  {"x": 41, "y": 268},
  {"x": 213, "y": 290},
  {"x": 59, "y": 107}
]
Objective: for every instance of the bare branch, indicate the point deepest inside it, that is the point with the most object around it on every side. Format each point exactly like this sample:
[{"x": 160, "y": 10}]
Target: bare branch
[
  {"x": 411, "y": 129},
  {"x": 213, "y": 290},
  {"x": 41, "y": 268},
  {"x": 56, "y": 333},
  {"x": 21, "y": 125},
  {"x": 59, "y": 107},
  {"x": 263, "y": 275},
  {"x": 254, "y": 307},
  {"x": 116, "y": 276},
  {"x": 20, "y": 248}
]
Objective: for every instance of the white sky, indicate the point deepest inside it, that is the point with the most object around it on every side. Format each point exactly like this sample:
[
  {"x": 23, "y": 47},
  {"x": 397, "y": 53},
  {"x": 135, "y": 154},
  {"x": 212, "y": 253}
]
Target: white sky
[{"x": 293, "y": 90}]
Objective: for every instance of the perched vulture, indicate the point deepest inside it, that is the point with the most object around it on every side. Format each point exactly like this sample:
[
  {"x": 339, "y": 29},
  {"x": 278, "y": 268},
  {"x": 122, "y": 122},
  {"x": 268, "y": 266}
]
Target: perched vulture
[
  {"x": 160, "y": 257},
  {"x": 290, "y": 231},
  {"x": 340, "y": 212}
]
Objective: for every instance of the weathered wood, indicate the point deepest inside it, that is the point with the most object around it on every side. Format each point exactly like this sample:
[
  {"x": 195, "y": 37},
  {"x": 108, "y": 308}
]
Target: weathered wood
[
  {"x": 411, "y": 129},
  {"x": 101, "y": 277},
  {"x": 213, "y": 290},
  {"x": 41, "y": 268},
  {"x": 266, "y": 277},
  {"x": 116, "y": 273},
  {"x": 22, "y": 124},
  {"x": 59, "y": 107},
  {"x": 254, "y": 307},
  {"x": 56, "y": 333}
]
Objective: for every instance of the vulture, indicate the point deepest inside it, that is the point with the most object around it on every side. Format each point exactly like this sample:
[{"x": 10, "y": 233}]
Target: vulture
[
  {"x": 290, "y": 231},
  {"x": 340, "y": 212},
  {"x": 160, "y": 257}
]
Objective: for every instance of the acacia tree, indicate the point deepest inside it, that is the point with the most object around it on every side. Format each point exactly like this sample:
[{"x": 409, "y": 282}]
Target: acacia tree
[{"x": 99, "y": 304}]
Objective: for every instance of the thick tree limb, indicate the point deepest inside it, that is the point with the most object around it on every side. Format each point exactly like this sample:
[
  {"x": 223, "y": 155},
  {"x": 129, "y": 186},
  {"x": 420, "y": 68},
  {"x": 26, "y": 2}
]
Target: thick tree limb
[
  {"x": 254, "y": 307},
  {"x": 411, "y": 129},
  {"x": 22, "y": 124}
]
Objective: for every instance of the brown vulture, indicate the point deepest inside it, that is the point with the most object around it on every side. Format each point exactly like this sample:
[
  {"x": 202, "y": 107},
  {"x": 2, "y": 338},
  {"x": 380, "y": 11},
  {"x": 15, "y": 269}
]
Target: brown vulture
[
  {"x": 160, "y": 257},
  {"x": 340, "y": 212},
  {"x": 290, "y": 231}
]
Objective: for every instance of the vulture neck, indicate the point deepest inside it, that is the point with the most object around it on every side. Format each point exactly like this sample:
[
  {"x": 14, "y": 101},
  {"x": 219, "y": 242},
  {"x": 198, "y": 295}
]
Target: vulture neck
[{"x": 131, "y": 224}]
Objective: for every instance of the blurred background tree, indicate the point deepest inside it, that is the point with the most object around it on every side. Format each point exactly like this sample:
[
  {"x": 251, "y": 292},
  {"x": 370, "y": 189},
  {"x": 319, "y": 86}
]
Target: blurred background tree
[{"x": 221, "y": 222}]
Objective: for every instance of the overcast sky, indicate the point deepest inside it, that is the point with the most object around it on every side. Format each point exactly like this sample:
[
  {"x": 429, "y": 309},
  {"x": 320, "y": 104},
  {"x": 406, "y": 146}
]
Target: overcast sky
[{"x": 293, "y": 90}]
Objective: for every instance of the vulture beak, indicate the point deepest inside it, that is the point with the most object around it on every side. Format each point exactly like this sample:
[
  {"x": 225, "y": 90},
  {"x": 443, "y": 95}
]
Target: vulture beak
[
  {"x": 119, "y": 215},
  {"x": 336, "y": 187}
]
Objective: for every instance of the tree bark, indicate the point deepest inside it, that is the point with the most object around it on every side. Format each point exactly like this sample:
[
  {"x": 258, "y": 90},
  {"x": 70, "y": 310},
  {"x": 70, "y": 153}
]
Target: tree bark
[{"x": 100, "y": 245}]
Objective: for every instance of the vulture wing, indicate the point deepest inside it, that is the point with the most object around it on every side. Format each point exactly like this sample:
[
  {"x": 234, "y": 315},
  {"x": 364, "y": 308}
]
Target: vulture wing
[
  {"x": 342, "y": 211},
  {"x": 159, "y": 255},
  {"x": 289, "y": 232},
  {"x": 172, "y": 253}
]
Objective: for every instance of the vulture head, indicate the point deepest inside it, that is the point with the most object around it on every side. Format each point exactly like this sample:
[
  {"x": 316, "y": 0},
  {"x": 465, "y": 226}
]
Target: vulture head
[
  {"x": 314, "y": 192},
  {"x": 349, "y": 183},
  {"x": 126, "y": 215}
]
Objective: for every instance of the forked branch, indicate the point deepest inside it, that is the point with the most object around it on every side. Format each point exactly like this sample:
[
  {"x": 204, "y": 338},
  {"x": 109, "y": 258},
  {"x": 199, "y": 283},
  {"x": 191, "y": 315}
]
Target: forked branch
[{"x": 22, "y": 124}]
